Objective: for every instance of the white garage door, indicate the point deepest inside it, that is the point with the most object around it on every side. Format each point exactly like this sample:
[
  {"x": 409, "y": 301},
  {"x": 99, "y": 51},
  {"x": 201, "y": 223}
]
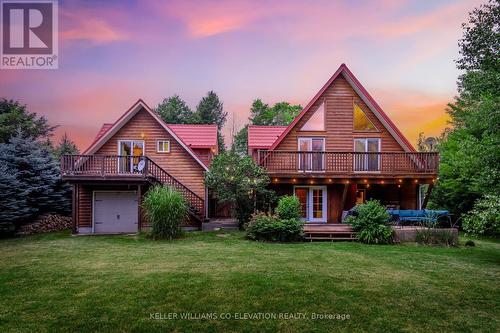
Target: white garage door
[{"x": 115, "y": 212}]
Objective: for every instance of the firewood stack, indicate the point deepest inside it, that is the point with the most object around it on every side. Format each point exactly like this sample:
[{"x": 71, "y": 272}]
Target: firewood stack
[{"x": 46, "y": 223}]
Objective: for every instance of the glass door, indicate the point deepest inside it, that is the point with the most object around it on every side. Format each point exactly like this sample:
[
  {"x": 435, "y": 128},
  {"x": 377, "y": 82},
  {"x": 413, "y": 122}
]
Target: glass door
[
  {"x": 367, "y": 157},
  {"x": 313, "y": 202},
  {"x": 311, "y": 157},
  {"x": 131, "y": 152}
]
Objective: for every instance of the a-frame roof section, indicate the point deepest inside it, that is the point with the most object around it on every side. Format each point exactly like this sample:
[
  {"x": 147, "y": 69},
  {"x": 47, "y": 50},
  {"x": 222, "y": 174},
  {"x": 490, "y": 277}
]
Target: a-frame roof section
[
  {"x": 134, "y": 109},
  {"x": 365, "y": 96}
]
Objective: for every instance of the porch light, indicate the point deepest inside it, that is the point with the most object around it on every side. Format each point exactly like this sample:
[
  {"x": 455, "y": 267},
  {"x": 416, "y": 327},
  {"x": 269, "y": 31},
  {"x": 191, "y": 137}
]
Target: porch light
[
  {"x": 294, "y": 180},
  {"x": 330, "y": 180},
  {"x": 416, "y": 180},
  {"x": 382, "y": 182},
  {"x": 367, "y": 185},
  {"x": 399, "y": 185},
  {"x": 143, "y": 135},
  {"x": 347, "y": 182},
  {"x": 365, "y": 180},
  {"x": 433, "y": 180},
  {"x": 311, "y": 181},
  {"x": 275, "y": 180},
  {"x": 400, "y": 180}
]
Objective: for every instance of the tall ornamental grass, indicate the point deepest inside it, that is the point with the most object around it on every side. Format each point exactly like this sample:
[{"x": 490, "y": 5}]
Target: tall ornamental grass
[{"x": 165, "y": 209}]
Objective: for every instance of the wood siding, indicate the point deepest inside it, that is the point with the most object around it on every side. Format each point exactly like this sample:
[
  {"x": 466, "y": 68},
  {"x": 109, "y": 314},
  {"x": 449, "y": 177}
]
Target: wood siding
[
  {"x": 339, "y": 133},
  {"x": 178, "y": 162}
]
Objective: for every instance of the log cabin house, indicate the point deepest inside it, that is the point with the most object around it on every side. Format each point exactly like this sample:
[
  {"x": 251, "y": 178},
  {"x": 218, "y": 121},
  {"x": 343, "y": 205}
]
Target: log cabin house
[
  {"x": 127, "y": 157},
  {"x": 341, "y": 150}
]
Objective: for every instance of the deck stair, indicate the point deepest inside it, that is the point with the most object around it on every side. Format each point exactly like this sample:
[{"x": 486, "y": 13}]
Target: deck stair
[{"x": 328, "y": 231}]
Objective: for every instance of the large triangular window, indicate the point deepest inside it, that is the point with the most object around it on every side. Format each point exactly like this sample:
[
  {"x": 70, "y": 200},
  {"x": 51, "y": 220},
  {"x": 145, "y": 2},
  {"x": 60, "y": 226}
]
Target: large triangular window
[
  {"x": 361, "y": 120},
  {"x": 317, "y": 120}
]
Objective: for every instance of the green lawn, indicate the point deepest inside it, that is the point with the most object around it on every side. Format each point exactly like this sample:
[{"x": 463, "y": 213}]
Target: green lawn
[{"x": 56, "y": 282}]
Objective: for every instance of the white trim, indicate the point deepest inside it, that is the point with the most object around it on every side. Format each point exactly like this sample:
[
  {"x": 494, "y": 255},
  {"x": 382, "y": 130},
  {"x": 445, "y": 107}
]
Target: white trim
[
  {"x": 131, "y": 112},
  {"x": 309, "y": 204},
  {"x": 93, "y": 205},
  {"x": 374, "y": 110},
  {"x": 162, "y": 151}
]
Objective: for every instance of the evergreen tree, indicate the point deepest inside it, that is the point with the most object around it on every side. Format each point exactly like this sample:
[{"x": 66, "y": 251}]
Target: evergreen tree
[
  {"x": 36, "y": 187},
  {"x": 174, "y": 110},
  {"x": 65, "y": 147},
  {"x": 210, "y": 110},
  {"x": 240, "y": 143},
  {"x": 14, "y": 115}
]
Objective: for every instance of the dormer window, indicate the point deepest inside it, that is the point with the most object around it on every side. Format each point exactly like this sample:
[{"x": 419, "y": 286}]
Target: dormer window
[
  {"x": 361, "y": 120},
  {"x": 317, "y": 120}
]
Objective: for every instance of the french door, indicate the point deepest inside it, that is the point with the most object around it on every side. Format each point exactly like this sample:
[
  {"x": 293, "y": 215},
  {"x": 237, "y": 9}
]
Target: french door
[
  {"x": 131, "y": 152},
  {"x": 313, "y": 202},
  {"x": 367, "y": 157},
  {"x": 311, "y": 157}
]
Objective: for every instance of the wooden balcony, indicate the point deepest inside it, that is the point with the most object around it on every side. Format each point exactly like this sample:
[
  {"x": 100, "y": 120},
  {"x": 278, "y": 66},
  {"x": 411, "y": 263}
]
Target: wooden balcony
[{"x": 348, "y": 164}]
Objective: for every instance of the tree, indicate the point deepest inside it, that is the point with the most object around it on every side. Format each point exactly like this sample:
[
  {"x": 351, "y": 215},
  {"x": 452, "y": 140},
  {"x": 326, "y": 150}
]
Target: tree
[
  {"x": 237, "y": 180},
  {"x": 210, "y": 110},
  {"x": 470, "y": 154},
  {"x": 65, "y": 147},
  {"x": 174, "y": 110},
  {"x": 14, "y": 115},
  {"x": 36, "y": 186},
  {"x": 240, "y": 142},
  {"x": 280, "y": 114}
]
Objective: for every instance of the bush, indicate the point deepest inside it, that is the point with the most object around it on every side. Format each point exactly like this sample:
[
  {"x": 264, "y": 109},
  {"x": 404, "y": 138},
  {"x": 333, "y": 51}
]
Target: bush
[
  {"x": 165, "y": 209},
  {"x": 265, "y": 227},
  {"x": 432, "y": 236},
  {"x": 484, "y": 218},
  {"x": 289, "y": 208},
  {"x": 470, "y": 243},
  {"x": 371, "y": 223}
]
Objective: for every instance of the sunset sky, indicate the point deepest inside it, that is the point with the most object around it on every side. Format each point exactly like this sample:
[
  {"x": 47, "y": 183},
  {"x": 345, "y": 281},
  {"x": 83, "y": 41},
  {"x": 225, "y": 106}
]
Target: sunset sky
[{"x": 113, "y": 52}]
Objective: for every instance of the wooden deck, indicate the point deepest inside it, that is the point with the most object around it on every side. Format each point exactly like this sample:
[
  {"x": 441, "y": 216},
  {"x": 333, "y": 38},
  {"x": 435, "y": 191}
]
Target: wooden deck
[{"x": 329, "y": 231}]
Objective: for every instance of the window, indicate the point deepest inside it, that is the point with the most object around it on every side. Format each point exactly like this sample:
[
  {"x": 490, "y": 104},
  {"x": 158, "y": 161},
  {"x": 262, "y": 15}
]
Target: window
[
  {"x": 163, "y": 146},
  {"x": 361, "y": 120},
  {"x": 313, "y": 158},
  {"x": 366, "y": 156},
  {"x": 317, "y": 120}
]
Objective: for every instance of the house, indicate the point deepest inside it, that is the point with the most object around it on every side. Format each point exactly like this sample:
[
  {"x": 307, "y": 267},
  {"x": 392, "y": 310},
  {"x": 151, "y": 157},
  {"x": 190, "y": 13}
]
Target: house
[
  {"x": 127, "y": 157},
  {"x": 341, "y": 150}
]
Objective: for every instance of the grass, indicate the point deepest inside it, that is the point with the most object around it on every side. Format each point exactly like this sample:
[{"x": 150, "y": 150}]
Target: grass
[{"x": 56, "y": 282}]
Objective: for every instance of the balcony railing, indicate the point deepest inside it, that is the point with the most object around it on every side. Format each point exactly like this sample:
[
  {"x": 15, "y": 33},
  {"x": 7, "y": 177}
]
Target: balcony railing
[{"x": 348, "y": 163}]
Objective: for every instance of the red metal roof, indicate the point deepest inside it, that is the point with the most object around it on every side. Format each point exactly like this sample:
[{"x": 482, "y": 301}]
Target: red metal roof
[
  {"x": 102, "y": 131},
  {"x": 263, "y": 136},
  {"x": 196, "y": 136}
]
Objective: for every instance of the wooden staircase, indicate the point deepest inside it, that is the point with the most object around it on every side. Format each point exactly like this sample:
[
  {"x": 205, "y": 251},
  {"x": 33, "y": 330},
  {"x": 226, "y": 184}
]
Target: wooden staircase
[
  {"x": 329, "y": 231},
  {"x": 157, "y": 174}
]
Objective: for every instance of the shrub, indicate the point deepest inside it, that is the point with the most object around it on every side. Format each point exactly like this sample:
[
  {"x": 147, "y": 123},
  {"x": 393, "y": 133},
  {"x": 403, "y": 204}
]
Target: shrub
[
  {"x": 371, "y": 223},
  {"x": 432, "y": 236},
  {"x": 470, "y": 243},
  {"x": 265, "y": 227},
  {"x": 484, "y": 218},
  {"x": 289, "y": 208},
  {"x": 165, "y": 209}
]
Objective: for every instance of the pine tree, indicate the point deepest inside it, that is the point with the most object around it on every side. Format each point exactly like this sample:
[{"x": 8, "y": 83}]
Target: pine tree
[
  {"x": 210, "y": 110},
  {"x": 65, "y": 147},
  {"x": 174, "y": 110},
  {"x": 36, "y": 186}
]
